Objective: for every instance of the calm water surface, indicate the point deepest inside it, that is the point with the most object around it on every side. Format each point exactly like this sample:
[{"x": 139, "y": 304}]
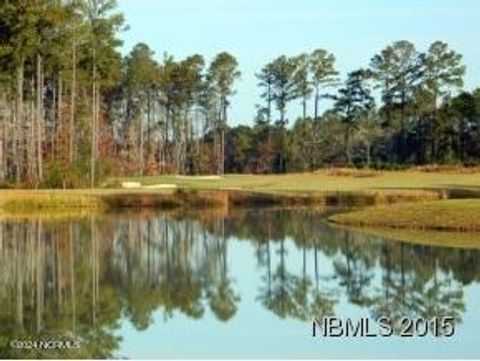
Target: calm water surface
[{"x": 244, "y": 284}]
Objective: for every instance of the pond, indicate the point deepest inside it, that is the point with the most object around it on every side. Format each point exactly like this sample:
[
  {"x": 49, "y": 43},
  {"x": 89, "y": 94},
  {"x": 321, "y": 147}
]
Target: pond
[{"x": 248, "y": 283}]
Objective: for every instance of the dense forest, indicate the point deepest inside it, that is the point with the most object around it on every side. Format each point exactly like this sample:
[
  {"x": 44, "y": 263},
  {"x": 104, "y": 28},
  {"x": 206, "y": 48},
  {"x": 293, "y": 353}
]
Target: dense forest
[{"x": 73, "y": 110}]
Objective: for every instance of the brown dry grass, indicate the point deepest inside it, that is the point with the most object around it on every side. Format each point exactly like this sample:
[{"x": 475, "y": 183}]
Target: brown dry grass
[
  {"x": 446, "y": 215},
  {"x": 443, "y": 168},
  {"x": 349, "y": 172}
]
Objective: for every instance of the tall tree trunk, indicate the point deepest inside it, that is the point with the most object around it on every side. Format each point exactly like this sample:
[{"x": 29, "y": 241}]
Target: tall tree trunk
[
  {"x": 215, "y": 148},
  {"x": 168, "y": 117},
  {"x": 348, "y": 156},
  {"x": 32, "y": 121},
  {"x": 94, "y": 122},
  {"x": 433, "y": 126},
  {"x": 269, "y": 115},
  {"x": 141, "y": 146},
  {"x": 3, "y": 136},
  {"x": 98, "y": 123},
  {"x": 149, "y": 119},
  {"x": 54, "y": 106},
  {"x": 222, "y": 140},
  {"x": 72, "y": 104},
  {"x": 282, "y": 141},
  {"x": 403, "y": 135},
  {"x": 59, "y": 126},
  {"x": 39, "y": 117},
  {"x": 18, "y": 120}
]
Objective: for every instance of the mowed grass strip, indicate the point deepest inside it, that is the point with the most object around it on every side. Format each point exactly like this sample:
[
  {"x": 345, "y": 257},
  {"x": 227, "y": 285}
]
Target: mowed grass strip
[
  {"x": 322, "y": 181},
  {"x": 445, "y": 215}
]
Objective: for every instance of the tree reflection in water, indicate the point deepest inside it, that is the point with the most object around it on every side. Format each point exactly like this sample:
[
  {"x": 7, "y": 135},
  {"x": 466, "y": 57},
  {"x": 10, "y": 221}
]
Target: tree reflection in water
[{"x": 78, "y": 279}]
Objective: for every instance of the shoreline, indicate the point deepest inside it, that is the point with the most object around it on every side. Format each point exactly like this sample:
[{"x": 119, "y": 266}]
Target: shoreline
[
  {"x": 13, "y": 201},
  {"x": 450, "y": 215},
  {"x": 377, "y": 201}
]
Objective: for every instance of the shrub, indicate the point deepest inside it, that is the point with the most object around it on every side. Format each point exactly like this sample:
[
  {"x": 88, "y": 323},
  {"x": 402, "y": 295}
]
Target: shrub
[
  {"x": 352, "y": 172},
  {"x": 53, "y": 176},
  {"x": 5, "y": 184}
]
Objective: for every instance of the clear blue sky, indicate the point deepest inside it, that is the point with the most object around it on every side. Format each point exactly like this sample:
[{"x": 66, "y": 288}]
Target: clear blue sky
[{"x": 256, "y": 31}]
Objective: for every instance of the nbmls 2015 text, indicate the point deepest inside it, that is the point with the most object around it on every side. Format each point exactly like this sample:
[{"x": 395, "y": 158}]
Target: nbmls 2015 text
[{"x": 383, "y": 327}]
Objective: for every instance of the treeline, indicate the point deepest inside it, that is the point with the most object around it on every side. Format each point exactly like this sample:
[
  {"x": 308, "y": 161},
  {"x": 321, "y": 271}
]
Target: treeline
[
  {"x": 74, "y": 110},
  {"x": 405, "y": 108},
  {"x": 58, "y": 65}
]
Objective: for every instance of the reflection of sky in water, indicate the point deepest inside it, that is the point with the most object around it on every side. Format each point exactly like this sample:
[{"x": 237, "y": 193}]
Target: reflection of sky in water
[
  {"x": 90, "y": 275},
  {"x": 256, "y": 332}
]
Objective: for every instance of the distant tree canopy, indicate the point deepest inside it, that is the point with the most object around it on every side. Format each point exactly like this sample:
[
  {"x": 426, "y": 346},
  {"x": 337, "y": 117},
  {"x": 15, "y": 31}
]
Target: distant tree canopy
[
  {"x": 74, "y": 110},
  {"x": 412, "y": 122}
]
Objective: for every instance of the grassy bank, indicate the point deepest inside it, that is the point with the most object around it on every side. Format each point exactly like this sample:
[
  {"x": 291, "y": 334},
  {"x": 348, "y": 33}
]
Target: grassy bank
[
  {"x": 46, "y": 201},
  {"x": 23, "y": 202},
  {"x": 445, "y": 215},
  {"x": 340, "y": 187}
]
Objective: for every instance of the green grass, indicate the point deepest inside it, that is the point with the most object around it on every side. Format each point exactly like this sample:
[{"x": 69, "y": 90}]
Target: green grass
[
  {"x": 445, "y": 215},
  {"x": 324, "y": 181}
]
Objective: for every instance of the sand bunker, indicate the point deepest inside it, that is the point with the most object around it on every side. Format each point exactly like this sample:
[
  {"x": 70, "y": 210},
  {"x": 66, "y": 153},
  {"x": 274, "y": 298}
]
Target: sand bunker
[
  {"x": 138, "y": 185},
  {"x": 130, "y": 185},
  {"x": 161, "y": 186},
  {"x": 200, "y": 177}
]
